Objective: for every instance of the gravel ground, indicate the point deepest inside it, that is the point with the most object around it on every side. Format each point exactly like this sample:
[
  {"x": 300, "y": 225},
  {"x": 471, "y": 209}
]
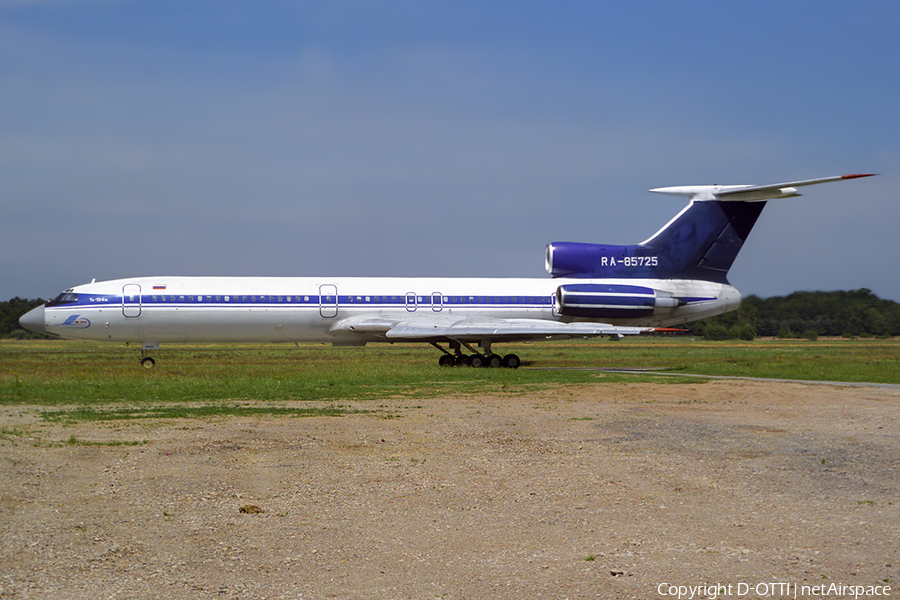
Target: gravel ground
[{"x": 599, "y": 491}]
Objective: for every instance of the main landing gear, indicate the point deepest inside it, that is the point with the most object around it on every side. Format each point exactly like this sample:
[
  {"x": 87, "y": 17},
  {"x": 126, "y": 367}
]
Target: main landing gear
[{"x": 476, "y": 359}]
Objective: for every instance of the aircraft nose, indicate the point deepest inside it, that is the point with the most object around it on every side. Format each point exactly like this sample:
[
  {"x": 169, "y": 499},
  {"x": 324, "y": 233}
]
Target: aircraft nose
[{"x": 33, "y": 320}]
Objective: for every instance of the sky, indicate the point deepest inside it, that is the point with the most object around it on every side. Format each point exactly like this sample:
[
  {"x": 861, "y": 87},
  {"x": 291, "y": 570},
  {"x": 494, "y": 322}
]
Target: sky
[{"x": 439, "y": 138}]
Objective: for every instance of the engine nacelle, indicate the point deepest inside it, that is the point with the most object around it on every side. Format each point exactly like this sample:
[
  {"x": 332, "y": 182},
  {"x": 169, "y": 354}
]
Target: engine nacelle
[
  {"x": 608, "y": 301},
  {"x": 590, "y": 261}
]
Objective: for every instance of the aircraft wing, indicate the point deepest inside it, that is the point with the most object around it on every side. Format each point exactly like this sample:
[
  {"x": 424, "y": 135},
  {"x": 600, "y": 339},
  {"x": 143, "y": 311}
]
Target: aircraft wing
[{"x": 496, "y": 330}]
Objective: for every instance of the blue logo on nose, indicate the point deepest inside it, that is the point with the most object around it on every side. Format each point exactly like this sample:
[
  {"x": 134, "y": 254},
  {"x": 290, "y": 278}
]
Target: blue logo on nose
[{"x": 77, "y": 323}]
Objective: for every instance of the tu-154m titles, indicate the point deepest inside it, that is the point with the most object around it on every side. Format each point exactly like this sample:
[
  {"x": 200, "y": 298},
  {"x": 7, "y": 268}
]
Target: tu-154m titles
[{"x": 676, "y": 276}]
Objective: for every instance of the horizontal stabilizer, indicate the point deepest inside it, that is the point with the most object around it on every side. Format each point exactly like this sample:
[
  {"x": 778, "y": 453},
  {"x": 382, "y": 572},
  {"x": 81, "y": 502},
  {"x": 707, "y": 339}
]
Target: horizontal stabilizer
[{"x": 748, "y": 193}]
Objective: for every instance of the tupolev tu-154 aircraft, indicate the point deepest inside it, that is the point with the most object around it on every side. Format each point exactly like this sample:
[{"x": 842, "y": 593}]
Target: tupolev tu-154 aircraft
[{"x": 676, "y": 276}]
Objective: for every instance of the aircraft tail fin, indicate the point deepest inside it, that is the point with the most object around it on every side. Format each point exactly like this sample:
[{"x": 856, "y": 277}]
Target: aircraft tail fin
[{"x": 701, "y": 242}]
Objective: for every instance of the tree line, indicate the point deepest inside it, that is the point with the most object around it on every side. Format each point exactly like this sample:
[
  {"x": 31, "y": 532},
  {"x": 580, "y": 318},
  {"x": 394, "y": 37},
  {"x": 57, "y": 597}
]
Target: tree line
[
  {"x": 801, "y": 314},
  {"x": 855, "y": 313},
  {"x": 10, "y": 311}
]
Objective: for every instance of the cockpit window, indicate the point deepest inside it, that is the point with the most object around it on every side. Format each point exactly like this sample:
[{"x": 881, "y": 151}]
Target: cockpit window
[{"x": 67, "y": 297}]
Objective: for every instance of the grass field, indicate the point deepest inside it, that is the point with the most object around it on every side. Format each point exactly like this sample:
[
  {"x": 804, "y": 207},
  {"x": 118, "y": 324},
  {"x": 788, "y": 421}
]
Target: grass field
[{"x": 87, "y": 380}]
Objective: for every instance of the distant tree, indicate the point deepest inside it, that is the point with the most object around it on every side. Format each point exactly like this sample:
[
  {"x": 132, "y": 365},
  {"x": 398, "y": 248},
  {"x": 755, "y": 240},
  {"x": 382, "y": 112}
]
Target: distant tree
[
  {"x": 851, "y": 314},
  {"x": 716, "y": 331},
  {"x": 10, "y": 311}
]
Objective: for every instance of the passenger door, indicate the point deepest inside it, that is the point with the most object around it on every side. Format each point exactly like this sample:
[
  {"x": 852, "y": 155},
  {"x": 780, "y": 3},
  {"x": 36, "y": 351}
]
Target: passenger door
[
  {"x": 131, "y": 300},
  {"x": 328, "y": 300}
]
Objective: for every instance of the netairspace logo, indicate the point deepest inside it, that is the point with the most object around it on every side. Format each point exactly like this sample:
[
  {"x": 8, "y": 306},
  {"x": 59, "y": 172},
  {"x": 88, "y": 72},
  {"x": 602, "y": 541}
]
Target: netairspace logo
[
  {"x": 771, "y": 589},
  {"x": 77, "y": 322}
]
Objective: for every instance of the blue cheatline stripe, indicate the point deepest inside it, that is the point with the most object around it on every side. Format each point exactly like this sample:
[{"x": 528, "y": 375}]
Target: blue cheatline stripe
[
  {"x": 284, "y": 300},
  {"x": 691, "y": 300}
]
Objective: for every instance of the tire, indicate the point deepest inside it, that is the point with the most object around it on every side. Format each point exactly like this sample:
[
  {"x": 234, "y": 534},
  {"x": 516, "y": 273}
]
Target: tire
[{"x": 511, "y": 361}]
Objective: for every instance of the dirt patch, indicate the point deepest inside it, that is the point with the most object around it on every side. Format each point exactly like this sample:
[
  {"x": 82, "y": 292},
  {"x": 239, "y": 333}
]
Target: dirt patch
[{"x": 603, "y": 491}]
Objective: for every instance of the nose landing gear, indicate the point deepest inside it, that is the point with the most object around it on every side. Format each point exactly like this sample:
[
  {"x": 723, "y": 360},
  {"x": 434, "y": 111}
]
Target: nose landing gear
[{"x": 146, "y": 361}]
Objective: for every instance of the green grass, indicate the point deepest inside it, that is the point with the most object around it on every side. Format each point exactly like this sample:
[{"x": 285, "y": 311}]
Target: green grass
[
  {"x": 89, "y": 381},
  {"x": 65, "y": 373},
  {"x": 871, "y": 361},
  {"x": 198, "y": 410}
]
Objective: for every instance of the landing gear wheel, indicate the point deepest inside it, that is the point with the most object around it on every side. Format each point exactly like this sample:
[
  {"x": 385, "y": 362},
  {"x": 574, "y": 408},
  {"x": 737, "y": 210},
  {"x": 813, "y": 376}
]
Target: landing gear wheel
[
  {"x": 461, "y": 360},
  {"x": 148, "y": 363},
  {"x": 493, "y": 361},
  {"x": 511, "y": 361},
  {"x": 476, "y": 360},
  {"x": 446, "y": 360}
]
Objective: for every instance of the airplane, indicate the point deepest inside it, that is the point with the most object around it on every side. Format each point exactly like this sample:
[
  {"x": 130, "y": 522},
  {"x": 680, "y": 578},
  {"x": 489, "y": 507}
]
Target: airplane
[{"x": 676, "y": 276}]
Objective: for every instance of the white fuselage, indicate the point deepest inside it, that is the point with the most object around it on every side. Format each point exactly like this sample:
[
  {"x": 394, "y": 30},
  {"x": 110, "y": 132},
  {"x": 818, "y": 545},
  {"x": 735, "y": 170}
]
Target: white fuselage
[
  {"x": 340, "y": 310},
  {"x": 676, "y": 276}
]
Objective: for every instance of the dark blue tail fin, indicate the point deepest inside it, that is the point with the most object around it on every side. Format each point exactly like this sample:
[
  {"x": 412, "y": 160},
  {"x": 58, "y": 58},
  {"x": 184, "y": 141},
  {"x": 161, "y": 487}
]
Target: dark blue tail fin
[
  {"x": 701, "y": 242},
  {"x": 704, "y": 239}
]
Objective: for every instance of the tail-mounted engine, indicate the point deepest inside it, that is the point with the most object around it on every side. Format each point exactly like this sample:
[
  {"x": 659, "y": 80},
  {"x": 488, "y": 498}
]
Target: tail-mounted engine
[{"x": 598, "y": 301}]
